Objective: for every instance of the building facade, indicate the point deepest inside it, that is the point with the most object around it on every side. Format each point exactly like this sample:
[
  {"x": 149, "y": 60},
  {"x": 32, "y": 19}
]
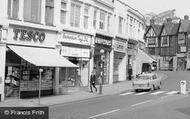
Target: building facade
[{"x": 74, "y": 31}]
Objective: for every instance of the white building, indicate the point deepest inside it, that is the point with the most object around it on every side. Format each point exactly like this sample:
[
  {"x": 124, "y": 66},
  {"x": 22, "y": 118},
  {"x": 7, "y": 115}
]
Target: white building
[{"x": 77, "y": 30}]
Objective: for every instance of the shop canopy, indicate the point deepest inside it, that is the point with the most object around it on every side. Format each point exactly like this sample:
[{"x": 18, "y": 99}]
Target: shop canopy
[
  {"x": 144, "y": 57},
  {"x": 41, "y": 56}
]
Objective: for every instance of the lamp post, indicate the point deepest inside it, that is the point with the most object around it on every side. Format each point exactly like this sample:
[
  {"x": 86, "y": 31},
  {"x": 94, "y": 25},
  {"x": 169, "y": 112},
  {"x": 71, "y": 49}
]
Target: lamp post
[
  {"x": 40, "y": 81},
  {"x": 101, "y": 71}
]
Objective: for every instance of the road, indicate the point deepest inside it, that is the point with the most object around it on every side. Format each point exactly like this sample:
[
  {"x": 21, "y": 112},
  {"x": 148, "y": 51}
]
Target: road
[{"x": 159, "y": 104}]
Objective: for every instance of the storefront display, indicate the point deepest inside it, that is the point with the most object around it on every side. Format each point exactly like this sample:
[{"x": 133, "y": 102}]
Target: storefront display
[{"x": 105, "y": 44}]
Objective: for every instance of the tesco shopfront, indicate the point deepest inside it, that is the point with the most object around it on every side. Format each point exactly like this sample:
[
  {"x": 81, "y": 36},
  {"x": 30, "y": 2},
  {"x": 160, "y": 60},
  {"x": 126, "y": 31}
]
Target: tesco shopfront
[{"x": 26, "y": 52}]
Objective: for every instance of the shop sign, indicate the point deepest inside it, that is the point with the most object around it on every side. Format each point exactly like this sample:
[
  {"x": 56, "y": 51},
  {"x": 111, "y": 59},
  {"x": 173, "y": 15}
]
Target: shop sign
[
  {"x": 28, "y": 35},
  {"x": 103, "y": 41},
  {"x": 119, "y": 46},
  {"x": 76, "y": 38},
  {"x": 75, "y": 52}
]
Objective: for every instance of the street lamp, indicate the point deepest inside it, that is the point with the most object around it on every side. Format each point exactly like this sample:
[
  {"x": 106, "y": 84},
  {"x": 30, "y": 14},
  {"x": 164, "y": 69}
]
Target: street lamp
[
  {"x": 40, "y": 81},
  {"x": 101, "y": 71}
]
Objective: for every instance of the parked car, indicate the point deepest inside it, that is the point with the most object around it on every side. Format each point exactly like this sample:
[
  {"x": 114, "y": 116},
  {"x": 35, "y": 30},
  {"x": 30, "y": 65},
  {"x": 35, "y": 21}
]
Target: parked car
[{"x": 147, "y": 81}]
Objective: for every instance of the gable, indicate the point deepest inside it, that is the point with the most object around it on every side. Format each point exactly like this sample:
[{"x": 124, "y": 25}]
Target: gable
[
  {"x": 164, "y": 33},
  {"x": 150, "y": 33}
]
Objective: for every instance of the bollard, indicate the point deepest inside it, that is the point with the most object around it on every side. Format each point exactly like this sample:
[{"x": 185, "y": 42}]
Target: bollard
[{"x": 183, "y": 87}]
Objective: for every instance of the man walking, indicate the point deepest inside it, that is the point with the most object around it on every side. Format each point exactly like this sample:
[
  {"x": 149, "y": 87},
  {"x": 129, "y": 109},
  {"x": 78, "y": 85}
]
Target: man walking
[{"x": 92, "y": 81}]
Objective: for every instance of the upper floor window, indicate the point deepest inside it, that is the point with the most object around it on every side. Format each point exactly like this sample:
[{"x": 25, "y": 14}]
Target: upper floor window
[
  {"x": 102, "y": 21},
  {"x": 49, "y": 12},
  {"x": 63, "y": 12},
  {"x": 75, "y": 15},
  {"x": 32, "y": 10},
  {"x": 13, "y": 8},
  {"x": 95, "y": 18},
  {"x": 86, "y": 16},
  {"x": 108, "y": 23},
  {"x": 152, "y": 42},
  {"x": 120, "y": 25},
  {"x": 165, "y": 41}
]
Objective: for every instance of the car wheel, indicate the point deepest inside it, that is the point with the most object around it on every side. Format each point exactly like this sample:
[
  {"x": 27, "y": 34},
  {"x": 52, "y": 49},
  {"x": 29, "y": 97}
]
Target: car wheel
[
  {"x": 153, "y": 87},
  {"x": 160, "y": 85}
]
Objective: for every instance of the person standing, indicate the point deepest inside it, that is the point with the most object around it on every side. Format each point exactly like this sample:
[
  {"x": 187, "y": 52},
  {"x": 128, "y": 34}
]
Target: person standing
[{"x": 92, "y": 81}]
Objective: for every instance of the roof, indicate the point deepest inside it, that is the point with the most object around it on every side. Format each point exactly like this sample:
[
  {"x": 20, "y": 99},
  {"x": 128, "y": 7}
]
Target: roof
[
  {"x": 185, "y": 25},
  {"x": 157, "y": 29},
  {"x": 171, "y": 28}
]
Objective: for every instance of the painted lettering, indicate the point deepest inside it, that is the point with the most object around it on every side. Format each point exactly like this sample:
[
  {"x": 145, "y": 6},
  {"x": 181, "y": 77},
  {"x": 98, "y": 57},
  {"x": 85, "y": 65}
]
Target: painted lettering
[{"x": 28, "y": 35}]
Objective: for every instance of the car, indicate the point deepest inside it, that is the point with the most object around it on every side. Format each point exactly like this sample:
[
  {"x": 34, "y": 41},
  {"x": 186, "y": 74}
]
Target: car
[{"x": 147, "y": 81}]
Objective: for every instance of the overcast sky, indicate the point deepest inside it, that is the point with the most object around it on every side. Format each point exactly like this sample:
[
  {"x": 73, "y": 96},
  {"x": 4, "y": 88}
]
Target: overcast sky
[{"x": 157, "y": 6}]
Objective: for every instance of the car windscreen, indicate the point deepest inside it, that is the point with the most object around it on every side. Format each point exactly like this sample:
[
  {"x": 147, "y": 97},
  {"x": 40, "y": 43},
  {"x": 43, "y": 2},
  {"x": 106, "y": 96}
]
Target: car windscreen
[{"x": 144, "y": 77}]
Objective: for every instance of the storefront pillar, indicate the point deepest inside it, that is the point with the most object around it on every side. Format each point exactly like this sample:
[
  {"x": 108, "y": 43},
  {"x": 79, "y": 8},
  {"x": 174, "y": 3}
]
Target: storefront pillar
[
  {"x": 2, "y": 70},
  {"x": 122, "y": 69},
  {"x": 111, "y": 67},
  {"x": 56, "y": 83},
  {"x": 174, "y": 63}
]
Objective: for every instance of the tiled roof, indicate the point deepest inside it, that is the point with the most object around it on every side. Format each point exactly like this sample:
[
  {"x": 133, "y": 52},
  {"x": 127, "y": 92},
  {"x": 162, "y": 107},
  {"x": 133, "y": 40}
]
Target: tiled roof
[
  {"x": 171, "y": 28},
  {"x": 157, "y": 29},
  {"x": 185, "y": 25}
]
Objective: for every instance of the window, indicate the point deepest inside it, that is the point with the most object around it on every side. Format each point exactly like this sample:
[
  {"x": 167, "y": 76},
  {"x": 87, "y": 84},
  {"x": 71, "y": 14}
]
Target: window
[
  {"x": 75, "y": 15},
  {"x": 108, "y": 23},
  {"x": 13, "y": 8},
  {"x": 49, "y": 12},
  {"x": 95, "y": 19},
  {"x": 86, "y": 16},
  {"x": 63, "y": 12},
  {"x": 120, "y": 25},
  {"x": 152, "y": 42},
  {"x": 165, "y": 41},
  {"x": 102, "y": 21},
  {"x": 32, "y": 10}
]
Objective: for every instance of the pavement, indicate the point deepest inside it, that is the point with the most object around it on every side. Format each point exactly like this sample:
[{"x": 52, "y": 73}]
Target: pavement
[{"x": 74, "y": 94}]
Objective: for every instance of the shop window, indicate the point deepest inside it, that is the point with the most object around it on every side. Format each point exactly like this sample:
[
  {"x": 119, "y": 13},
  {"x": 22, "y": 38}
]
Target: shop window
[
  {"x": 49, "y": 13},
  {"x": 32, "y": 11},
  {"x": 13, "y": 8},
  {"x": 102, "y": 21},
  {"x": 63, "y": 12},
  {"x": 75, "y": 15}
]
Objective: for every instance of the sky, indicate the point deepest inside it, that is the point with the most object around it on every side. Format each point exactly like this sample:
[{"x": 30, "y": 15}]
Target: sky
[{"x": 182, "y": 7}]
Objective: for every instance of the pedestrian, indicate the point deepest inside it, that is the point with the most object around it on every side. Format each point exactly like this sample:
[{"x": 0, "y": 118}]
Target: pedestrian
[{"x": 92, "y": 81}]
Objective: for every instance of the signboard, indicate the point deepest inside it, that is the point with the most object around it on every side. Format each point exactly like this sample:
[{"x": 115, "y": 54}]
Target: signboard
[
  {"x": 75, "y": 52},
  {"x": 102, "y": 41},
  {"x": 119, "y": 46},
  {"x": 31, "y": 37},
  {"x": 75, "y": 38}
]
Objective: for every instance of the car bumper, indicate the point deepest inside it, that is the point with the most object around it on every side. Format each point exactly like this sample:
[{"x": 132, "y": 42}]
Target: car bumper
[{"x": 140, "y": 87}]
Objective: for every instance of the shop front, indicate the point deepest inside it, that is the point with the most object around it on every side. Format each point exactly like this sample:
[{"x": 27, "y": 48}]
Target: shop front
[
  {"x": 76, "y": 48},
  {"x": 102, "y": 43},
  {"x": 119, "y": 71},
  {"x": 29, "y": 56}
]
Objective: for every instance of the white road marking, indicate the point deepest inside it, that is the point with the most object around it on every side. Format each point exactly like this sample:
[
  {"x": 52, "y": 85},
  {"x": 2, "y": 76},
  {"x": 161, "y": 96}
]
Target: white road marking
[
  {"x": 172, "y": 92},
  {"x": 158, "y": 92},
  {"x": 141, "y": 103},
  {"x": 98, "y": 115},
  {"x": 165, "y": 96},
  {"x": 128, "y": 93},
  {"x": 142, "y": 93}
]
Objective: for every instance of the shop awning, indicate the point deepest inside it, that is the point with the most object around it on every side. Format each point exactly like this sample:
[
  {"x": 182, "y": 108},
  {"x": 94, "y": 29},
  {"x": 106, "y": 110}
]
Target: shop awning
[
  {"x": 144, "y": 57},
  {"x": 41, "y": 56}
]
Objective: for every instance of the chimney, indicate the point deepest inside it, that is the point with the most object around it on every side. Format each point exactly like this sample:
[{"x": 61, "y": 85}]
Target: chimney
[
  {"x": 169, "y": 20},
  {"x": 152, "y": 21},
  {"x": 186, "y": 17}
]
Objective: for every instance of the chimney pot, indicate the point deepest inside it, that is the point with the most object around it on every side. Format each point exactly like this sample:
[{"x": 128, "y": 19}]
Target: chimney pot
[{"x": 186, "y": 17}]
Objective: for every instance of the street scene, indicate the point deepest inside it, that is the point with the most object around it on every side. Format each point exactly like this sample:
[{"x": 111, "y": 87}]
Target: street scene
[{"x": 94, "y": 59}]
